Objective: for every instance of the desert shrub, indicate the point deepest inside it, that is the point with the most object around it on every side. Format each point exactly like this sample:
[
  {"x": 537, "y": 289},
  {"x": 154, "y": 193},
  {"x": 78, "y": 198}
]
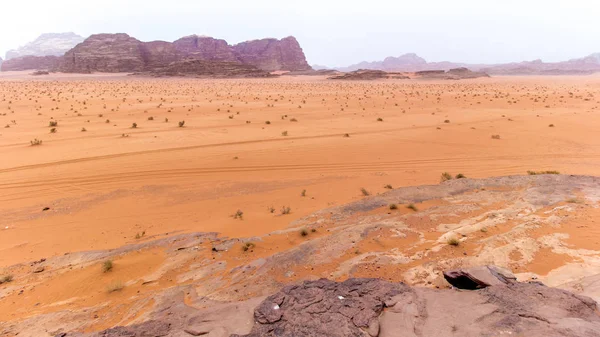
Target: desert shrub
[
  {"x": 535, "y": 173},
  {"x": 271, "y": 209},
  {"x": 388, "y": 186},
  {"x": 303, "y": 232},
  {"x": 134, "y": 125},
  {"x": 83, "y": 129},
  {"x": 53, "y": 123},
  {"x": 181, "y": 124},
  {"x": 495, "y": 136},
  {"x": 453, "y": 241},
  {"x": 346, "y": 135},
  {"x": 293, "y": 120},
  {"x": 445, "y": 177},
  {"x": 460, "y": 176},
  {"x": 364, "y": 192},
  {"x": 248, "y": 246},
  {"x": 36, "y": 142},
  {"x": 380, "y": 119},
  {"x": 268, "y": 122},
  {"x": 53, "y": 130},
  {"x": 393, "y": 206},
  {"x": 412, "y": 207},
  {"x": 303, "y": 193},
  {"x": 107, "y": 266},
  {"x": 284, "y": 133},
  {"x": 238, "y": 214},
  {"x": 150, "y": 118},
  {"x": 6, "y": 279},
  {"x": 286, "y": 210},
  {"x": 115, "y": 286}
]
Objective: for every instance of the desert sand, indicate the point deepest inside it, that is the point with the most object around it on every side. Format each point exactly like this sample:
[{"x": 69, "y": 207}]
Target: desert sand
[{"x": 253, "y": 160}]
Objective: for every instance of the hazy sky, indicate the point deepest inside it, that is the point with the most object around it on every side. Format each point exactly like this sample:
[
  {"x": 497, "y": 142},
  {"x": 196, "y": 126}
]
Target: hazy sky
[{"x": 334, "y": 33}]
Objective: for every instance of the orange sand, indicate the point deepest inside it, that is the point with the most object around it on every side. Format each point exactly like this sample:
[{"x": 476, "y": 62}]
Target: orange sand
[{"x": 103, "y": 188}]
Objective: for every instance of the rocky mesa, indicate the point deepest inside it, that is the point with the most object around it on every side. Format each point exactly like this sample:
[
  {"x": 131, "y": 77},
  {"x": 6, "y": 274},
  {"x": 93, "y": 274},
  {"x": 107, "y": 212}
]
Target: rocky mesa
[
  {"x": 114, "y": 53},
  {"x": 123, "y": 53}
]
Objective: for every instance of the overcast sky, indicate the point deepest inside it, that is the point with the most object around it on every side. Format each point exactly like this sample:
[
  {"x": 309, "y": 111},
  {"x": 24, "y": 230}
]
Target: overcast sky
[{"x": 333, "y": 33}]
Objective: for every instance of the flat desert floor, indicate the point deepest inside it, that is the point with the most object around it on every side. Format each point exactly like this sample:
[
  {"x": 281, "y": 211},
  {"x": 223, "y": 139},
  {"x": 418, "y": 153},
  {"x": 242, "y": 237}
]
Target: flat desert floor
[{"x": 251, "y": 158}]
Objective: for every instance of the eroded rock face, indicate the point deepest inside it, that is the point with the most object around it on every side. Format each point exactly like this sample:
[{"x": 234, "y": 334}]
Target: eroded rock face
[
  {"x": 30, "y": 63},
  {"x": 205, "y": 48},
  {"x": 123, "y": 53},
  {"x": 272, "y": 54},
  {"x": 212, "y": 69},
  {"x": 105, "y": 53}
]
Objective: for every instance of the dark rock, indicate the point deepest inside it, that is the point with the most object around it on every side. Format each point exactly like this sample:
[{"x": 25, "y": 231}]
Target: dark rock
[
  {"x": 479, "y": 277},
  {"x": 213, "y": 69},
  {"x": 325, "y": 308},
  {"x": 146, "y": 329}
]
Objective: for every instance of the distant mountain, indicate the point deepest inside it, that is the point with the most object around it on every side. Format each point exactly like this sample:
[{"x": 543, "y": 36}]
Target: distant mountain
[
  {"x": 586, "y": 65},
  {"x": 47, "y": 45},
  {"x": 413, "y": 63}
]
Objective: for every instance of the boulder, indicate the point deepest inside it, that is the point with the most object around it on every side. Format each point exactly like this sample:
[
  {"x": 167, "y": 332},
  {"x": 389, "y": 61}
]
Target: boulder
[{"x": 479, "y": 277}]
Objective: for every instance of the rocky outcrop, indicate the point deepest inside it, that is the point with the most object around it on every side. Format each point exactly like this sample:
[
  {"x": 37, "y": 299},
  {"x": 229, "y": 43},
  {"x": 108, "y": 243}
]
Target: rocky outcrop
[
  {"x": 452, "y": 74},
  {"x": 213, "y": 69},
  {"x": 30, "y": 63},
  {"x": 479, "y": 277},
  {"x": 109, "y": 53},
  {"x": 363, "y": 307},
  {"x": 272, "y": 54},
  {"x": 47, "y": 45},
  {"x": 356, "y": 308},
  {"x": 205, "y": 48},
  {"x": 123, "y": 53},
  {"x": 365, "y": 75}
]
